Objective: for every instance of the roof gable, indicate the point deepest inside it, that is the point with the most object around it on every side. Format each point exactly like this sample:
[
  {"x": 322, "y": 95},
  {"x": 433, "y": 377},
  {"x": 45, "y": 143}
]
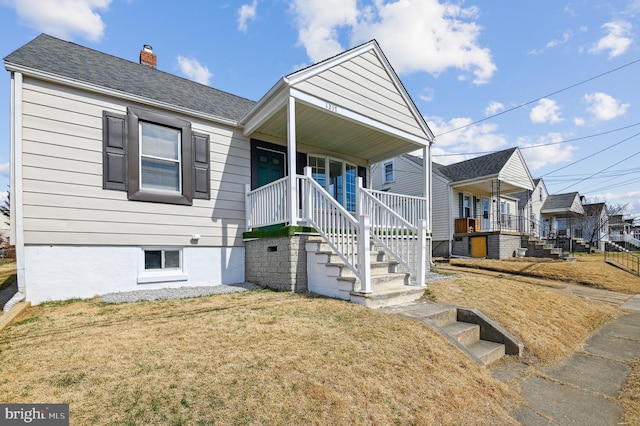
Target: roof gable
[
  {"x": 362, "y": 80},
  {"x": 478, "y": 167},
  {"x": 50, "y": 56},
  {"x": 569, "y": 202}
]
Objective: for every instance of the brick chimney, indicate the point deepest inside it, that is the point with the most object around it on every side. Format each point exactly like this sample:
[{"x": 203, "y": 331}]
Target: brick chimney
[{"x": 147, "y": 57}]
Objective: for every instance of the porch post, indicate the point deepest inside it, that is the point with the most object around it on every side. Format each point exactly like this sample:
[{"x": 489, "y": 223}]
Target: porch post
[
  {"x": 292, "y": 190},
  {"x": 364, "y": 254},
  {"x": 422, "y": 253},
  {"x": 426, "y": 156}
]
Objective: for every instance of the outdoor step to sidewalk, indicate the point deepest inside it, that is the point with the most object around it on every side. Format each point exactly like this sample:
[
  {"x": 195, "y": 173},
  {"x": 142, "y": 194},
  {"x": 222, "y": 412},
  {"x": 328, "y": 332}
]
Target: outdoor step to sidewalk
[
  {"x": 464, "y": 332},
  {"x": 486, "y": 351}
]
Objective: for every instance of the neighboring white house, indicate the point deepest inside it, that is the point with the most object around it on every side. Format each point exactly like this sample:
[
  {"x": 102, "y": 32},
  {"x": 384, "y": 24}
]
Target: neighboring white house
[
  {"x": 126, "y": 177},
  {"x": 595, "y": 225},
  {"x": 530, "y": 204},
  {"x": 474, "y": 212}
]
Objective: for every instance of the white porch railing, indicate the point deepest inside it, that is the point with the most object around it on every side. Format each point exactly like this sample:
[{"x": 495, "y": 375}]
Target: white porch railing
[
  {"x": 267, "y": 205},
  {"x": 411, "y": 209},
  {"x": 631, "y": 240},
  {"x": 348, "y": 237},
  {"x": 401, "y": 239},
  {"x": 390, "y": 226}
]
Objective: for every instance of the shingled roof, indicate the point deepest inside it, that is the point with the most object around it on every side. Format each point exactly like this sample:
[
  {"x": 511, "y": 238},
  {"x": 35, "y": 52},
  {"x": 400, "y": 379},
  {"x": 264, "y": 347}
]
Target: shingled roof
[
  {"x": 58, "y": 57},
  {"x": 486, "y": 165},
  {"x": 559, "y": 201}
]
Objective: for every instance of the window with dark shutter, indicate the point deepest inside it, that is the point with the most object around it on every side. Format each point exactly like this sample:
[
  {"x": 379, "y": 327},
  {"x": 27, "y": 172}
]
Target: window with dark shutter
[
  {"x": 155, "y": 158},
  {"x": 114, "y": 157}
]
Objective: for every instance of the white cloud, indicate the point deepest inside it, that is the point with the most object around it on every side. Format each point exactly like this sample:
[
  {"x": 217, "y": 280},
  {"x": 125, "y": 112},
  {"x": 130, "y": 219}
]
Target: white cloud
[
  {"x": 477, "y": 138},
  {"x": 604, "y": 107},
  {"x": 5, "y": 169},
  {"x": 427, "y": 94},
  {"x": 193, "y": 70},
  {"x": 416, "y": 35},
  {"x": 579, "y": 121},
  {"x": 493, "y": 108},
  {"x": 617, "y": 40},
  {"x": 541, "y": 156},
  {"x": 318, "y": 22},
  {"x": 547, "y": 111},
  {"x": 246, "y": 13},
  {"x": 427, "y": 36},
  {"x": 63, "y": 18}
]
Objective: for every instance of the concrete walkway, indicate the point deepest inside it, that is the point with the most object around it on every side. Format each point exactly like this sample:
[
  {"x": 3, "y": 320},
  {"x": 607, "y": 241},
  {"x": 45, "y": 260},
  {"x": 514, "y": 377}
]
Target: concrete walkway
[{"x": 585, "y": 388}]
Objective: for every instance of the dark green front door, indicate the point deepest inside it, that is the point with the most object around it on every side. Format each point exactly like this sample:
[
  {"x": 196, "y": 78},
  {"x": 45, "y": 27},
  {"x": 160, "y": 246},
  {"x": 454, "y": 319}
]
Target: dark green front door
[{"x": 270, "y": 166}]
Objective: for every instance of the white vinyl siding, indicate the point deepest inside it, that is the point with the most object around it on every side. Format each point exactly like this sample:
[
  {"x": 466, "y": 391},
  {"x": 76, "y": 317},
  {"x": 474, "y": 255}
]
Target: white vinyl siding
[
  {"x": 408, "y": 178},
  {"x": 441, "y": 214},
  {"x": 515, "y": 172},
  {"x": 362, "y": 85},
  {"x": 64, "y": 202}
]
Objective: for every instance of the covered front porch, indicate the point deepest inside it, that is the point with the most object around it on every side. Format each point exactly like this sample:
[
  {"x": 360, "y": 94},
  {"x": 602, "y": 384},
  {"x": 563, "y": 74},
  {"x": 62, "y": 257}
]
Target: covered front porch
[
  {"x": 488, "y": 224},
  {"x": 313, "y": 138}
]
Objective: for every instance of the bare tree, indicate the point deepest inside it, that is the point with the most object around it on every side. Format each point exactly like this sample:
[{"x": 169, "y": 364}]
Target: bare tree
[
  {"x": 6, "y": 208},
  {"x": 597, "y": 219}
]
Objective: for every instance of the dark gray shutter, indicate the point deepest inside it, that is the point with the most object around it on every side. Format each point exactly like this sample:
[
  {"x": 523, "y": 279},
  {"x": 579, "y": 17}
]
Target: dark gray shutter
[
  {"x": 461, "y": 204},
  {"x": 114, "y": 157},
  {"x": 475, "y": 206},
  {"x": 201, "y": 168}
]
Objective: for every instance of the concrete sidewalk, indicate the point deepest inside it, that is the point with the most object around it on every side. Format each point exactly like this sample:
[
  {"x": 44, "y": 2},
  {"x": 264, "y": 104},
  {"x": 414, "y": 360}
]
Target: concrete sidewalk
[{"x": 584, "y": 389}]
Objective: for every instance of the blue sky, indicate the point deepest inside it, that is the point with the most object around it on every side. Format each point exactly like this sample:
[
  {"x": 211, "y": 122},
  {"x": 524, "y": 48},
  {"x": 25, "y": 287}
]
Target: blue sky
[{"x": 561, "y": 75}]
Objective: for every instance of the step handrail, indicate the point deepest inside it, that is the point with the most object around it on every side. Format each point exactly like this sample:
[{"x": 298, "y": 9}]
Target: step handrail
[
  {"x": 401, "y": 239},
  {"x": 347, "y": 236}
]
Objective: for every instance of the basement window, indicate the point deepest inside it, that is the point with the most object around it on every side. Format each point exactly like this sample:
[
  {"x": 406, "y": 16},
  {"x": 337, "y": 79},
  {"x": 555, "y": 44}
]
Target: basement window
[{"x": 161, "y": 265}]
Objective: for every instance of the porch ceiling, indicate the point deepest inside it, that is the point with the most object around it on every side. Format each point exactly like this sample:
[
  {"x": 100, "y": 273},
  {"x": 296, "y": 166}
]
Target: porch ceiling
[
  {"x": 330, "y": 133},
  {"x": 484, "y": 187}
]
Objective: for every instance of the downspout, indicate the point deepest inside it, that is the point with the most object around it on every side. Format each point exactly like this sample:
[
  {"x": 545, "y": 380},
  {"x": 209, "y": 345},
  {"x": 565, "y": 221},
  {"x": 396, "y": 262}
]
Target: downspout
[
  {"x": 16, "y": 188},
  {"x": 426, "y": 159}
]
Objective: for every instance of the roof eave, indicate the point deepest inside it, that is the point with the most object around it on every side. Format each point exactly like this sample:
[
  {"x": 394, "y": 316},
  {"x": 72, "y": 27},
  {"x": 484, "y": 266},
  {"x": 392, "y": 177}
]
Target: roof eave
[{"x": 55, "y": 78}]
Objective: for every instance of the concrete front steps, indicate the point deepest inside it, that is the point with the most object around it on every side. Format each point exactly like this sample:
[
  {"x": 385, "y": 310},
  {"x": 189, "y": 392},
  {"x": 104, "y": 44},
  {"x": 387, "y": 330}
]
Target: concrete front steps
[
  {"x": 474, "y": 333},
  {"x": 539, "y": 248},
  {"x": 329, "y": 276}
]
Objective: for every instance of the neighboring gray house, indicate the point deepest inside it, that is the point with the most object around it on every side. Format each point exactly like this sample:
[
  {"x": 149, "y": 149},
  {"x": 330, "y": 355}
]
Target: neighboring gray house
[
  {"x": 125, "y": 177},
  {"x": 562, "y": 215},
  {"x": 474, "y": 212}
]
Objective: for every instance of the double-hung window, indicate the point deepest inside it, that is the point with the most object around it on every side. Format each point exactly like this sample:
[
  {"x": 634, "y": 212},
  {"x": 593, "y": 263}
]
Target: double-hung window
[
  {"x": 388, "y": 172},
  {"x": 160, "y": 162},
  {"x": 155, "y": 157}
]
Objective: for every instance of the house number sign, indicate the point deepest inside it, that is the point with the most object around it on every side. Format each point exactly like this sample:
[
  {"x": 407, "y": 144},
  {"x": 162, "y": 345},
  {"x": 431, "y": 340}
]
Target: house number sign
[{"x": 331, "y": 107}]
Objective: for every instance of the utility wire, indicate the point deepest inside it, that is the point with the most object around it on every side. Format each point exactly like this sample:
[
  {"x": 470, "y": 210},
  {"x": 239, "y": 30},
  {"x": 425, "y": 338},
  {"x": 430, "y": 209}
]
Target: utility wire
[
  {"x": 589, "y": 156},
  {"x": 543, "y": 144},
  {"x": 541, "y": 97},
  {"x": 604, "y": 188},
  {"x": 606, "y": 168}
]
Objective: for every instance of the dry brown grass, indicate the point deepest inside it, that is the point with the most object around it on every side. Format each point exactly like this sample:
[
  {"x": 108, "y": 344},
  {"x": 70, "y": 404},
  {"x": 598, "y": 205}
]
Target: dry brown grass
[
  {"x": 589, "y": 270},
  {"x": 249, "y": 358},
  {"x": 7, "y": 273},
  {"x": 630, "y": 396},
  {"x": 551, "y": 325}
]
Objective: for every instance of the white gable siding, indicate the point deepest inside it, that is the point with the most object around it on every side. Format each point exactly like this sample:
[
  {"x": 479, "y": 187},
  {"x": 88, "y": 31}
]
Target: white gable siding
[
  {"x": 515, "y": 171},
  {"x": 441, "y": 215},
  {"x": 362, "y": 85},
  {"x": 64, "y": 202}
]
